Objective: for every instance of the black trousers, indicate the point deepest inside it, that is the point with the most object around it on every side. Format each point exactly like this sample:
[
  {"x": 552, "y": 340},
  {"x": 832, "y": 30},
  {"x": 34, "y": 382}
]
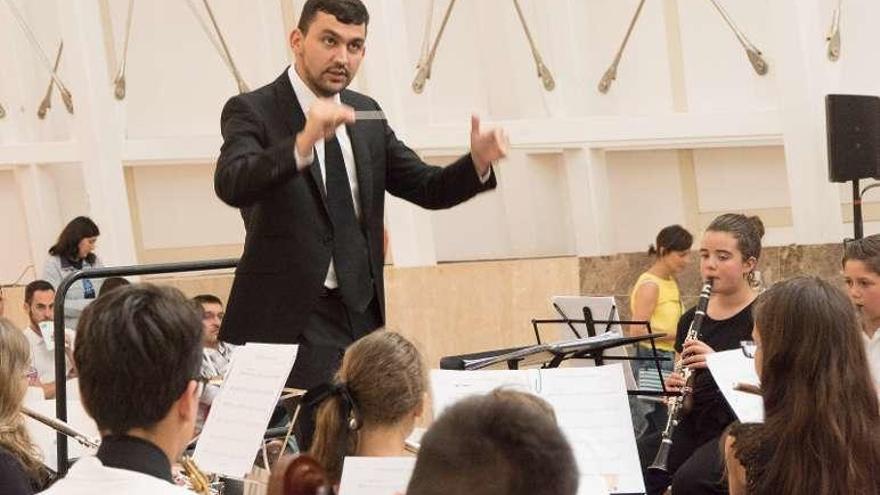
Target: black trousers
[
  {"x": 703, "y": 473},
  {"x": 698, "y": 469},
  {"x": 332, "y": 327}
]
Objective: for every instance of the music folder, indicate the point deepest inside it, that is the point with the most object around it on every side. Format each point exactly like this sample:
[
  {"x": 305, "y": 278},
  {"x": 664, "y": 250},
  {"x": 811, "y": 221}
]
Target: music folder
[
  {"x": 591, "y": 408},
  {"x": 237, "y": 422}
]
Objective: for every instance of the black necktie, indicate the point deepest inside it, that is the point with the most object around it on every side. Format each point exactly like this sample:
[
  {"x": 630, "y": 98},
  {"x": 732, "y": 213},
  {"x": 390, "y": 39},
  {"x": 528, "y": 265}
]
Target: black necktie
[{"x": 350, "y": 251}]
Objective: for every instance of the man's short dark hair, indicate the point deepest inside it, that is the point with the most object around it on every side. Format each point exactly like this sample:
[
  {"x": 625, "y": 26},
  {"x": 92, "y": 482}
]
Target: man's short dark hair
[
  {"x": 137, "y": 348},
  {"x": 207, "y": 299},
  {"x": 345, "y": 11},
  {"x": 111, "y": 283},
  {"x": 36, "y": 286},
  {"x": 494, "y": 444}
]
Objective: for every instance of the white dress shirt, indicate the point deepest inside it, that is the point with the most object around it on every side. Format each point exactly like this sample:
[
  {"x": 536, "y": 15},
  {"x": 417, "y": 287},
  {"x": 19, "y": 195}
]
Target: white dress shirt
[
  {"x": 88, "y": 477},
  {"x": 42, "y": 359},
  {"x": 306, "y": 97},
  {"x": 872, "y": 346}
]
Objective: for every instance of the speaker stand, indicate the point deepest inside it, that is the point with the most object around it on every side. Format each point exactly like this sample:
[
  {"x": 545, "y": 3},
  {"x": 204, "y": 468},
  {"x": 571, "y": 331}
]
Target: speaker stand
[{"x": 858, "y": 223}]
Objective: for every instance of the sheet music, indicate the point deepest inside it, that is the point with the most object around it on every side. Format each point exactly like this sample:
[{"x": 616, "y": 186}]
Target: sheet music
[
  {"x": 591, "y": 408},
  {"x": 46, "y": 438},
  {"x": 729, "y": 368},
  {"x": 239, "y": 415},
  {"x": 450, "y": 386},
  {"x": 376, "y": 475}
]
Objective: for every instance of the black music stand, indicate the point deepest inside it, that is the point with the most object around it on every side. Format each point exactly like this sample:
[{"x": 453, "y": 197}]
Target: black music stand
[
  {"x": 599, "y": 357},
  {"x": 551, "y": 355}
]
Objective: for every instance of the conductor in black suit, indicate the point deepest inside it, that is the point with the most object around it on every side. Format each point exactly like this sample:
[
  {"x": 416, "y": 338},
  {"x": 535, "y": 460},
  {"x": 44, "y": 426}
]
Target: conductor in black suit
[{"x": 310, "y": 180}]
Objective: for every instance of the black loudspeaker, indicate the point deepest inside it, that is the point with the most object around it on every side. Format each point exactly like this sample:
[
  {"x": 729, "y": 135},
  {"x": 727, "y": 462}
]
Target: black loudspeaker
[{"x": 853, "y": 123}]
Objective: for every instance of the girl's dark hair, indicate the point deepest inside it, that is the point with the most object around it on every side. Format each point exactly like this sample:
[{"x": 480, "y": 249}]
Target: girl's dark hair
[
  {"x": 822, "y": 419},
  {"x": 866, "y": 250},
  {"x": 747, "y": 231},
  {"x": 671, "y": 238},
  {"x": 67, "y": 245}
]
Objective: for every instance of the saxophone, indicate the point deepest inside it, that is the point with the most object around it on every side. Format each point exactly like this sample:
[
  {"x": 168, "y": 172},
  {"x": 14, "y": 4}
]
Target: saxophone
[
  {"x": 680, "y": 405},
  {"x": 198, "y": 481}
]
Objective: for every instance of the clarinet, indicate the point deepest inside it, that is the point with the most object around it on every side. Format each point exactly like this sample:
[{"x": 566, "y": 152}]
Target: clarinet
[{"x": 679, "y": 406}]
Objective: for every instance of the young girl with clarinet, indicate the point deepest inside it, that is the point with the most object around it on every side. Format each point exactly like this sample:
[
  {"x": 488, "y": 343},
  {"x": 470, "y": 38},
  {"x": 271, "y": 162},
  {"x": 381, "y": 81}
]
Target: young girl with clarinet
[{"x": 729, "y": 252}]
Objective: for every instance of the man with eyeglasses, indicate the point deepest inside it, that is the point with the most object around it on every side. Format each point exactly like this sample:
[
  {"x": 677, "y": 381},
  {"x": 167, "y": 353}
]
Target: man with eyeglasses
[{"x": 216, "y": 355}]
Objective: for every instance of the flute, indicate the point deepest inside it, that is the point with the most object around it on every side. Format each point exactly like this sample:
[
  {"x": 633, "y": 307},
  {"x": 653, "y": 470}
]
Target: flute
[{"x": 61, "y": 427}]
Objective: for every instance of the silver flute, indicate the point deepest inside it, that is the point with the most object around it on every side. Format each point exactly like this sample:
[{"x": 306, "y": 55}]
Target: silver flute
[
  {"x": 677, "y": 408},
  {"x": 61, "y": 427}
]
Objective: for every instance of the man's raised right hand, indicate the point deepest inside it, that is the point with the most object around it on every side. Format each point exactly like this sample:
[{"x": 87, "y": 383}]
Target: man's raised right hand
[{"x": 321, "y": 122}]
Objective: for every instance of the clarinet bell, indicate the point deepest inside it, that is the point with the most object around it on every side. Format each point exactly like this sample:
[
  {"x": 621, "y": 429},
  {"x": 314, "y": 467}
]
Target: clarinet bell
[{"x": 661, "y": 460}]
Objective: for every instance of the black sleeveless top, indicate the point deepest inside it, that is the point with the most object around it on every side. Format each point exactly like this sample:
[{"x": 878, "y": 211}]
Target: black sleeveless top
[
  {"x": 752, "y": 451},
  {"x": 711, "y": 414}
]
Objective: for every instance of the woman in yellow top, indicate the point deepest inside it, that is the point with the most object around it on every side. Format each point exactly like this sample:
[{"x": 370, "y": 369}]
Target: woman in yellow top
[{"x": 655, "y": 298}]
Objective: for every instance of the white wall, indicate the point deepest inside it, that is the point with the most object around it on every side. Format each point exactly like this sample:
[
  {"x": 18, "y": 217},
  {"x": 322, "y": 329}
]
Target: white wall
[
  {"x": 178, "y": 208},
  {"x": 13, "y": 242},
  {"x": 645, "y": 196},
  {"x": 582, "y": 166},
  {"x": 527, "y": 216},
  {"x": 718, "y": 75}
]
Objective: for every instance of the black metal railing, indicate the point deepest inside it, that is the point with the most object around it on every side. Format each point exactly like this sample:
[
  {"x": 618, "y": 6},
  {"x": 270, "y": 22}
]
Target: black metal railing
[{"x": 61, "y": 294}]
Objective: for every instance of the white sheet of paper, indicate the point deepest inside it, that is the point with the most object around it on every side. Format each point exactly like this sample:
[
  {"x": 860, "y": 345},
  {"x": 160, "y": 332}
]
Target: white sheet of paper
[
  {"x": 376, "y": 475},
  {"x": 591, "y": 407},
  {"x": 239, "y": 415},
  {"x": 46, "y": 438},
  {"x": 450, "y": 386},
  {"x": 729, "y": 368}
]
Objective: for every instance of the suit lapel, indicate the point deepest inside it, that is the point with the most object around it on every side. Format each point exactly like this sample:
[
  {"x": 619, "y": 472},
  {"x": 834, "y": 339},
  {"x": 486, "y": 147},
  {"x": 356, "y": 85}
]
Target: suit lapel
[
  {"x": 291, "y": 113},
  {"x": 363, "y": 167}
]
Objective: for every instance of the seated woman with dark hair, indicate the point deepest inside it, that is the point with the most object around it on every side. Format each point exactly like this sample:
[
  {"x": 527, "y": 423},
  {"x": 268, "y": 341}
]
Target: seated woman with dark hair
[
  {"x": 821, "y": 431},
  {"x": 372, "y": 406},
  {"x": 21, "y": 472}
]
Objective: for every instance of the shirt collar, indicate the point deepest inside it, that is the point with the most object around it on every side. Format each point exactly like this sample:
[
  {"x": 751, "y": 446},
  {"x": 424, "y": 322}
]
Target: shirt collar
[
  {"x": 304, "y": 93},
  {"x": 873, "y": 339},
  {"x": 134, "y": 454}
]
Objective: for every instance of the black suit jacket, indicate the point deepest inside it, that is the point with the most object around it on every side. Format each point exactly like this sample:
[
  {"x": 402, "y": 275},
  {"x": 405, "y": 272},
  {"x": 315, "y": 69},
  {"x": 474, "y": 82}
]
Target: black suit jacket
[{"x": 289, "y": 236}]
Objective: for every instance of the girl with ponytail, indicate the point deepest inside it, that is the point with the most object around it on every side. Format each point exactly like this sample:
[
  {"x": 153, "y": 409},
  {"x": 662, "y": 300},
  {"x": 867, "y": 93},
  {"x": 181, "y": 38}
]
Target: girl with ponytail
[{"x": 373, "y": 403}]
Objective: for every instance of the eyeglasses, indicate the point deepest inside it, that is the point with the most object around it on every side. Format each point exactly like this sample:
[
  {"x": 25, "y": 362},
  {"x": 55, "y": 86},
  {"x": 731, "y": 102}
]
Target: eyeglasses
[
  {"x": 31, "y": 374},
  {"x": 748, "y": 347}
]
